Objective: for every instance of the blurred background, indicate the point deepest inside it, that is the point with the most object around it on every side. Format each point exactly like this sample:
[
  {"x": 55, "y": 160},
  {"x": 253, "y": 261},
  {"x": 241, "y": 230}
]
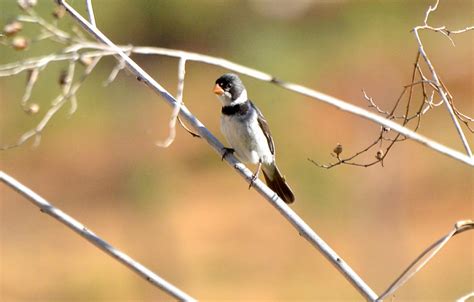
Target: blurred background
[{"x": 187, "y": 216}]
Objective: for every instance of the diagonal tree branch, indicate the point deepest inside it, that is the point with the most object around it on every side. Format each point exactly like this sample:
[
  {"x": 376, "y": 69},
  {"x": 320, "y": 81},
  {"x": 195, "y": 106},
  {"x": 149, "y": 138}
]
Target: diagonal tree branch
[
  {"x": 303, "y": 229},
  {"x": 47, "y": 208}
]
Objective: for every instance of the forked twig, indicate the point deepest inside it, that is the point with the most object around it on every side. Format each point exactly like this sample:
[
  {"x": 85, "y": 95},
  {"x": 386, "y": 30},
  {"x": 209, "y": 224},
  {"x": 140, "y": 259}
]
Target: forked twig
[
  {"x": 435, "y": 84},
  {"x": 442, "y": 92}
]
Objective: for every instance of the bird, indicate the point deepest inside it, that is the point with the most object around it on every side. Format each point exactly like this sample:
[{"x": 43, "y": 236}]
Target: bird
[{"x": 246, "y": 130}]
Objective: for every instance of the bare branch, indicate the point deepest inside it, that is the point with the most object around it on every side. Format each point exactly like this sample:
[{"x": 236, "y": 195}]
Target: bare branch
[
  {"x": 47, "y": 208},
  {"x": 426, "y": 256}
]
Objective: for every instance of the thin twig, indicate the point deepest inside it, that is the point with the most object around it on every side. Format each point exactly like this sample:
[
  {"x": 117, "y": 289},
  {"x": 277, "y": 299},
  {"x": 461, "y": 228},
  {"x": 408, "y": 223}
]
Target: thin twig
[
  {"x": 382, "y": 154},
  {"x": 68, "y": 92},
  {"x": 258, "y": 185},
  {"x": 32, "y": 77},
  {"x": 90, "y": 12},
  {"x": 175, "y": 113},
  {"x": 47, "y": 208}
]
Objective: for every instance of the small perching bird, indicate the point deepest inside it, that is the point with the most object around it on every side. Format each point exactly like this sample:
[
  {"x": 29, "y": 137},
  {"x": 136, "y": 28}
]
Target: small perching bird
[{"x": 248, "y": 134}]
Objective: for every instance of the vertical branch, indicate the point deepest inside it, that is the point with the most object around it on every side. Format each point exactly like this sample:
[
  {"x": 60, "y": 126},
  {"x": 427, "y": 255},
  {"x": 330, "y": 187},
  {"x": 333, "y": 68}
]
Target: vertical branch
[
  {"x": 181, "y": 74},
  {"x": 177, "y": 107},
  {"x": 80, "y": 229}
]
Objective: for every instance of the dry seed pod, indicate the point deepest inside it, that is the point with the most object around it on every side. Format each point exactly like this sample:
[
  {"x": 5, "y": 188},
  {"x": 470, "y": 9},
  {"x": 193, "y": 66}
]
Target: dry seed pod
[
  {"x": 59, "y": 12},
  {"x": 63, "y": 78},
  {"x": 20, "y": 43},
  {"x": 379, "y": 155},
  {"x": 12, "y": 28}
]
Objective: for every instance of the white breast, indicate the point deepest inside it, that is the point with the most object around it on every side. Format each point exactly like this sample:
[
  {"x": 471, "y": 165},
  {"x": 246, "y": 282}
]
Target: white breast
[{"x": 246, "y": 138}]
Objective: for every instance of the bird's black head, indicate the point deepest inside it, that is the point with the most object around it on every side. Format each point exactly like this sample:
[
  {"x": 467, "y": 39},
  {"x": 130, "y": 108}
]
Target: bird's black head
[{"x": 229, "y": 86}]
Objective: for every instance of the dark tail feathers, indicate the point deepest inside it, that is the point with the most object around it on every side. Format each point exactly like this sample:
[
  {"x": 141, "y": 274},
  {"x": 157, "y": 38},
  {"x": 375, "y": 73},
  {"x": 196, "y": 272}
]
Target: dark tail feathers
[{"x": 277, "y": 183}]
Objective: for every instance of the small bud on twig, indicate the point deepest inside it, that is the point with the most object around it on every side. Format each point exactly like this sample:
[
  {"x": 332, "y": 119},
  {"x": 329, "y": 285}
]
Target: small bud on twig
[
  {"x": 12, "y": 28},
  {"x": 337, "y": 150},
  {"x": 59, "y": 12},
  {"x": 20, "y": 43},
  {"x": 26, "y": 4}
]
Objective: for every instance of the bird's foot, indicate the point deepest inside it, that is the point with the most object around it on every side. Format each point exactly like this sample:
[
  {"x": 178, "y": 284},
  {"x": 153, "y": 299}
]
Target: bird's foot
[
  {"x": 253, "y": 179},
  {"x": 255, "y": 175},
  {"x": 226, "y": 151}
]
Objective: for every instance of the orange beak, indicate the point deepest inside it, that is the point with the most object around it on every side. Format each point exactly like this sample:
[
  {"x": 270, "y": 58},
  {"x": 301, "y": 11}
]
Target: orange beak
[{"x": 218, "y": 90}]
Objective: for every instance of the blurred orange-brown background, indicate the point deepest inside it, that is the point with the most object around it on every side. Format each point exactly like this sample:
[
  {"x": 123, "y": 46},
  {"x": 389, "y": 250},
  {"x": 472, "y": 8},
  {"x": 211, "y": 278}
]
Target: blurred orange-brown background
[{"x": 187, "y": 216}]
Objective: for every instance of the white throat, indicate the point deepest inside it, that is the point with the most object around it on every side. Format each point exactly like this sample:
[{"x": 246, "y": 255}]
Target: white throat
[
  {"x": 240, "y": 100},
  {"x": 226, "y": 98}
]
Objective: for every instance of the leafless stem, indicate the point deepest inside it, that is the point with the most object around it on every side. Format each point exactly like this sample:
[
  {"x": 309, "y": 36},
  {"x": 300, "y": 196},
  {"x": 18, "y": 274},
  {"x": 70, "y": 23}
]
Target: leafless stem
[
  {"x": 32, "y": 78},
  {"x": 426, "y": 256},
  {"x": 115, "y": 71},
  {"x": 90, "y": 12},
  {"x": 69, "y": 92},
  {"x": 175, "y": 113}
]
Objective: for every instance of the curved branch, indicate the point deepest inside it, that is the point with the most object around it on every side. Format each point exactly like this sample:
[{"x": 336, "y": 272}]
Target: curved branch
[{"x": 426, "y": 256}]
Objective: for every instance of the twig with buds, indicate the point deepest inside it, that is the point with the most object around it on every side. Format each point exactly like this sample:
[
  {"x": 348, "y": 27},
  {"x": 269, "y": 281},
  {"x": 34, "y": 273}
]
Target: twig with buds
[{"x": 436, "y": 87}]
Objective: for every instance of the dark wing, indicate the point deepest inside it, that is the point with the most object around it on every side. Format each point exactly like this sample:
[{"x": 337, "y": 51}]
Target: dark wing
[{"x": 264, "y": 125}]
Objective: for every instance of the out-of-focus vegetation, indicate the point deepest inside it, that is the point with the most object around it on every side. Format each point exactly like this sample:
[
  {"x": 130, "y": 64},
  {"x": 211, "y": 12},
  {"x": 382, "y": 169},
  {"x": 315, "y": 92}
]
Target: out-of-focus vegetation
[{"x": 184, "y": 213}]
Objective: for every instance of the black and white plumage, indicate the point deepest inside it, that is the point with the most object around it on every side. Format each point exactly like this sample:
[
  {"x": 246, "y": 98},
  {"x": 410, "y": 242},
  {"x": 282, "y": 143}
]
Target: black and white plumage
[{"x": 248, "y": 134}]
